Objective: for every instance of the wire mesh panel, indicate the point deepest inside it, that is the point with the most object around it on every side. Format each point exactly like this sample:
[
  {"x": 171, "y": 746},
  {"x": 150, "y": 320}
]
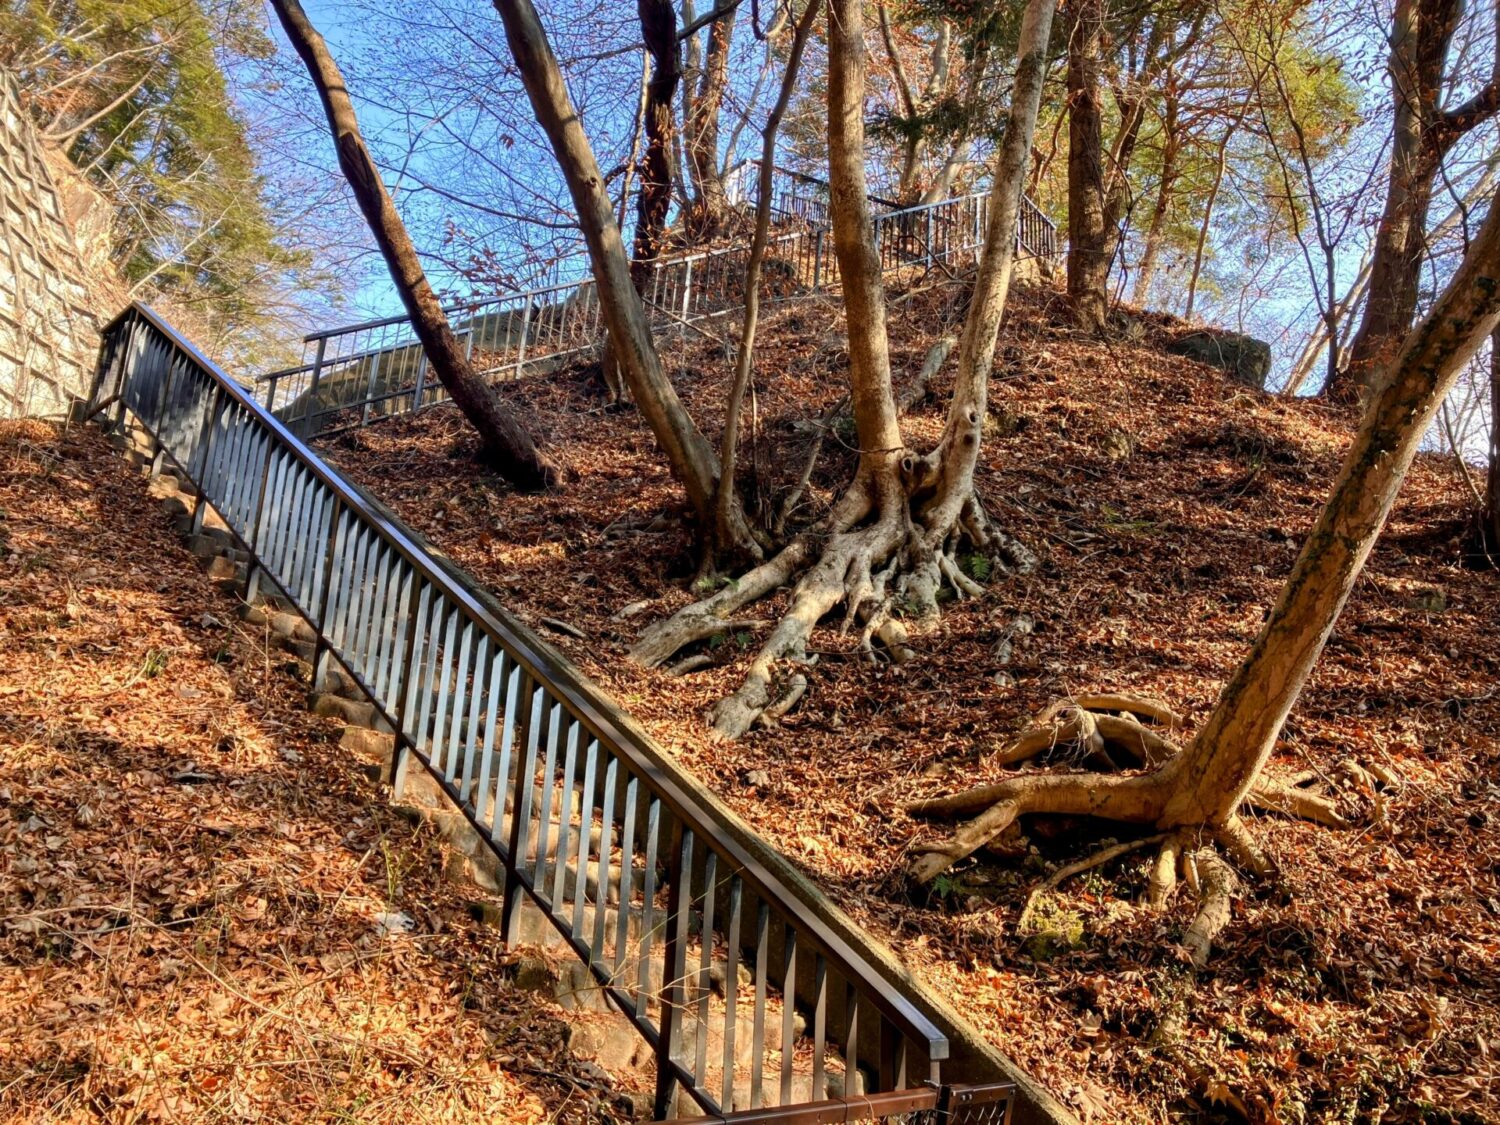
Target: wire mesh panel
[{"x": 746, "y": 996}]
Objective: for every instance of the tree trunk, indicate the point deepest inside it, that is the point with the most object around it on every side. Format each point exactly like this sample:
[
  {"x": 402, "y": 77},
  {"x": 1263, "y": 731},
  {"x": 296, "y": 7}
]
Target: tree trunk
[
  {"x": 912, "y": 145},
  {"x": 893, "y": 534},
  {"x": 1171, "y": 144},
  {"x": 1088, "y": 252},
  {"x": 1217, "y": 771},
  {"x": 1420, "y": 37},
  {"x": 686, "y": 449},
  {"x": 654, "y": 201},
  {"x": 654, "y": 197},
  {"x": 506, "y": 443},
  {"x": 726, "y": 515},
  {"x": 854, "y": 244},
  {"x": 702, "y": 132}
]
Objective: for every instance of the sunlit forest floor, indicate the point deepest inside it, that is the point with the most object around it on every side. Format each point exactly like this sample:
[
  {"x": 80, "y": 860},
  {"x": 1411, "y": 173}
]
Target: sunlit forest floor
[
  {"x": 1168, "y": 505},
  {"x": 204, "y": 914}
]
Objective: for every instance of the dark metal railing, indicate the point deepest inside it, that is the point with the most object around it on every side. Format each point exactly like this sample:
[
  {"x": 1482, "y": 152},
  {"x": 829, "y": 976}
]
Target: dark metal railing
[
  {"x": 987, "y": 1104},
  {"x": 640, "y": 876},
  {"x": 358, "y": 373}
]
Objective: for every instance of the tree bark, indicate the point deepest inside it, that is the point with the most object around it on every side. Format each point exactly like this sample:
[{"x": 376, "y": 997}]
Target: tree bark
[
  {"x": 654, "y": 201},
  {"x": 1088, "y": 255},
  {"x": 1422, "y": 31},
  {"x": 684, "y": 445},
  {"x": 726, "y": 516},
  {"x": 854, "y": 243},
  {"x": 1212, "y": 778},
  {"x": 702, "y": 132},
  {"x": 506, "y": 443},
  {"x": 1492, "y": 490}
]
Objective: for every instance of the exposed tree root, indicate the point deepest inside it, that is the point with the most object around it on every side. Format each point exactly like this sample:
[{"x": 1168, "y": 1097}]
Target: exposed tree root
[
  {"x": 1137, "y": 799},
  {"x": 1163, "y": 879},
  {"x": 1102, "y": 729},
  {"x": 1216, "y": 885},
  {"x": 882, "y": 553}
]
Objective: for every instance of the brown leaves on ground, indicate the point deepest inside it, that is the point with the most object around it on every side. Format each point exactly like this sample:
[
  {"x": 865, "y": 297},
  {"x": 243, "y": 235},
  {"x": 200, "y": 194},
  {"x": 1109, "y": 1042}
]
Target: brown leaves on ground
[
  {"x": 1169, "y": 505},
  {"x": 204, "y": 916}
]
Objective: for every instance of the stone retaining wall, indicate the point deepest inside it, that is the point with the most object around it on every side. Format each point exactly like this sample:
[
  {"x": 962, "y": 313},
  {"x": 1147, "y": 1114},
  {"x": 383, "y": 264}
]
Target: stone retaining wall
[{"x": 48, "y": 327}]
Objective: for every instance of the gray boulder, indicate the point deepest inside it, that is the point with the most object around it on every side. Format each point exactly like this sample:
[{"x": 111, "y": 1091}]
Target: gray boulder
[{"x": 1246, "y": 359}]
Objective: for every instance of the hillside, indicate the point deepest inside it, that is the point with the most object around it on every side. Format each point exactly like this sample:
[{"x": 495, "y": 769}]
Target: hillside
[
  {"x": 1167, "y": 505},
  {"x": 207, "y": 914}
]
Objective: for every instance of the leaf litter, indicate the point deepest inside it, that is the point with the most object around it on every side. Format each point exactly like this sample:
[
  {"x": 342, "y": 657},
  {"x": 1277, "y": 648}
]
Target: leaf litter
[
  {"x": 205, "y": 912},
  {"x": 1168, "y": 504}
]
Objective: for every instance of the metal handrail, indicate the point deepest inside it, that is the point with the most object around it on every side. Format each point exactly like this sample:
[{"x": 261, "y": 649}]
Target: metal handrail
[
  {"x": 436, "y": 658},
  {"x": 564, "y": 318}
]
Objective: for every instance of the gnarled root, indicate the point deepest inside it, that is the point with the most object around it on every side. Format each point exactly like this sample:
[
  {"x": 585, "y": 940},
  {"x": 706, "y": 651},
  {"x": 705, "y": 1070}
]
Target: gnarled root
[
  {"x": 1132, "y": 800},
  {"x": 1093, "y": 726},
  {"x": 1163, "y": 880},
  {"x": 1216, "y": 885},
  {"x": 875, "y": 554}
]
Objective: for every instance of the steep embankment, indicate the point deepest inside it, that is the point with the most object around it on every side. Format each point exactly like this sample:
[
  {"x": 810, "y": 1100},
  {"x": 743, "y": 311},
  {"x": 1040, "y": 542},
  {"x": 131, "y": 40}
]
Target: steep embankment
[
  {"x": 203, "y": 914},
  {"x": 1168, "y": 505}
]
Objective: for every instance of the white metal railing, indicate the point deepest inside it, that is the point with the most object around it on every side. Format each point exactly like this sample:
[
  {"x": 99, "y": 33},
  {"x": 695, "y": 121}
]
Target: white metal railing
[{"x": 357, "y": 373}]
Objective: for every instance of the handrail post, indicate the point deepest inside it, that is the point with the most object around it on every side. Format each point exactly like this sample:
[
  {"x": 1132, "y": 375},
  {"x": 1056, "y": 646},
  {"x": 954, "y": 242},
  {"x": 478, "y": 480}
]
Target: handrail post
[
  {"x": 321, "y": 648},
  {"x": 674, "y": 962},
  {"x": 510, "y": 904},
  {"x": 817, "y": 259},
  {"x": 308, "y": 416}
]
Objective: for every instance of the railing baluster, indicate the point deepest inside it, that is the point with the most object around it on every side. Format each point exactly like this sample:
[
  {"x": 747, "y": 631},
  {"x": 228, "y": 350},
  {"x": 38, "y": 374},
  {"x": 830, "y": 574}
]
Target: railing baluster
[
  {"x": 585, "y": 833},
  {"x": 510, "y": 917},
  {"x": 674, "y": 963},
  {"x": 762, "y": 977},
  {"x": 820, "y": 1026},
  {"x": 478, "y": 676},
  {"x": 549, "y": 781},
  {"x": 731, "y": 990},
  {"x": 627, "y": 875},
  {"x": 705, "y": 963},
  {"x": 601, "y": 872},
  {"x": 788, "y": 1011},
  {"x": 499, "y": 829},
  {"x": 486, "y": 807}
]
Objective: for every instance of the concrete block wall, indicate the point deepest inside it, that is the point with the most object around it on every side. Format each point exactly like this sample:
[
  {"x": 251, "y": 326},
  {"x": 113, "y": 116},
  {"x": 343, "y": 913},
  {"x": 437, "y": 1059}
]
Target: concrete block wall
[{"x": 48, "y": 327}]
